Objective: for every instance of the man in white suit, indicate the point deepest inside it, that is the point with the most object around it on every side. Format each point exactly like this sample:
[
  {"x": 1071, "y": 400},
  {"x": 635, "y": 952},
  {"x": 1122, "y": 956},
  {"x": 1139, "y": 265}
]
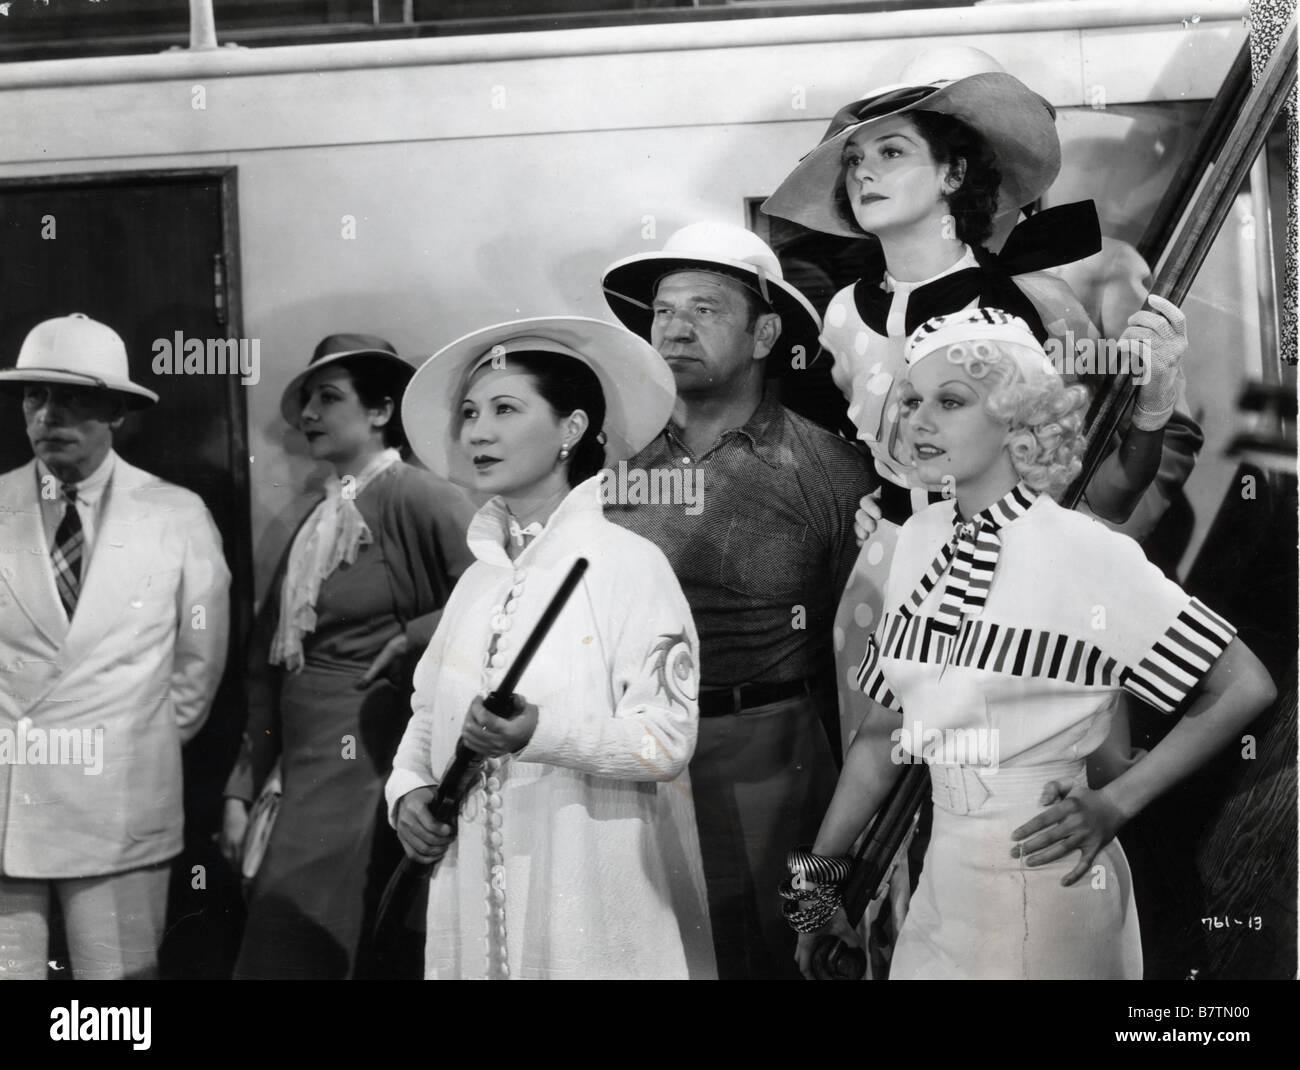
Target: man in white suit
[{"x": 114, "y": 618}]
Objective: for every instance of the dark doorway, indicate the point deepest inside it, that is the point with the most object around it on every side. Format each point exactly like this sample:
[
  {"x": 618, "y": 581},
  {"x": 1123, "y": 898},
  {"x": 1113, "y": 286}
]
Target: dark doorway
[{"x": 151, "y": 254}]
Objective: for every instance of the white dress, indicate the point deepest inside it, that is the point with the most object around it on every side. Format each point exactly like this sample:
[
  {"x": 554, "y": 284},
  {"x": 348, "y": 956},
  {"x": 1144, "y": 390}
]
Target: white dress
[
  {"x": 1018, "y": 693},
  {"x": 577, "y": 857}
]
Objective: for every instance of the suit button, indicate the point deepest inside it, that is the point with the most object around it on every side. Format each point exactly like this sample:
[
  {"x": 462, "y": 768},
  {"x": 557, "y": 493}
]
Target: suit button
[{"x": 25, "y": 723}]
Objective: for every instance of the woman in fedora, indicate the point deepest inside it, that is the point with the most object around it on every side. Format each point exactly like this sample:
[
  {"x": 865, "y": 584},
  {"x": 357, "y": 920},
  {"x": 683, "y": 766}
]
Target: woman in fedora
[
  {"x": 993, "y": 666},
  {"x": 924, "y": 169},
  {"x": 362, "y": 583},
  {"x": 576, "y": 855}
]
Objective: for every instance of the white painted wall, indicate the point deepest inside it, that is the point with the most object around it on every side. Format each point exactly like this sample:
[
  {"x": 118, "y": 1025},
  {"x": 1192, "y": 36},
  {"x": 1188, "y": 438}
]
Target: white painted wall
[{"x": 469, "y": 212}]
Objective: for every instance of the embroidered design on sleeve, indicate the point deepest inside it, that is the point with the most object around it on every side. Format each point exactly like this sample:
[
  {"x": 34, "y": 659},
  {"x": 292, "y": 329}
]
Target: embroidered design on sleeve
[
  {"x": 674, "y": 667},
  {"x": 1181, "y": 657}
]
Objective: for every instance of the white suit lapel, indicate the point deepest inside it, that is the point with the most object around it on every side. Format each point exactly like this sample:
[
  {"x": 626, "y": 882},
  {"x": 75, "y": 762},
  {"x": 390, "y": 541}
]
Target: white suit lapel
[{"x": 25, "y": 556}]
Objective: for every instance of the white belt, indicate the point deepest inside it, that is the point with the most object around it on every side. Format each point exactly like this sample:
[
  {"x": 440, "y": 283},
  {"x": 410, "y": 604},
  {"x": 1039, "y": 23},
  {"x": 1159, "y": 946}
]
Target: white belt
[{"x": 963, "y": 789}]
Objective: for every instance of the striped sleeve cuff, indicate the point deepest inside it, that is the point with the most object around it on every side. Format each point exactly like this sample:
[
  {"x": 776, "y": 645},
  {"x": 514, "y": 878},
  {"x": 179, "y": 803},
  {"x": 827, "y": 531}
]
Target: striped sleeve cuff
[
  {"x": 872, "y": 681},
  {"x": 1180, "y": 659}
]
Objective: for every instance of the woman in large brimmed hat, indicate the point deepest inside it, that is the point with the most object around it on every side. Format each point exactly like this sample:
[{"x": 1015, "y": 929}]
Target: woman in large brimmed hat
[
  {"x": 991, "y": 653},
  {"x": 361, "y": 585},
  {"x": 924, "y": 169},
  {"x": 579, "y": 846}
]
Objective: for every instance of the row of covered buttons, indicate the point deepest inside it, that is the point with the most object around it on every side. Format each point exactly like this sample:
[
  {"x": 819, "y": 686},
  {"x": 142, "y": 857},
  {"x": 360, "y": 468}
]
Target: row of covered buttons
[
  {"x": 498, "y": 959},
  {"x": 502, "y": 621},
  {"x": 495, "y": 946}
]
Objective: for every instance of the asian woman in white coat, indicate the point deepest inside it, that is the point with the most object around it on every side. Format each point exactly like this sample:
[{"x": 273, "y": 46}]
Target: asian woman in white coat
[{"x": 576, "y": 855}]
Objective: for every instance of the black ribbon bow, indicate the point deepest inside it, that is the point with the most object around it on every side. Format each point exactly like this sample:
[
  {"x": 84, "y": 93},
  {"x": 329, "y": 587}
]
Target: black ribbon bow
[{"x": 1056, "y": 236}]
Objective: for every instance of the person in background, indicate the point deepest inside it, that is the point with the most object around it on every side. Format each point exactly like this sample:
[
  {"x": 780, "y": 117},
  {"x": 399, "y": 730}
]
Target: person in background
[
  {"x": 114, "y": 620},
  {"x": 360, "y": 587},
  {"x": 576, "y": 854},
  {"x": 762, "y": 561}
]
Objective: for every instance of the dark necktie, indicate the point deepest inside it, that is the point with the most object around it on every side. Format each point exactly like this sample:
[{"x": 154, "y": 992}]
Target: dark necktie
[{"x": 69, "y": 544}]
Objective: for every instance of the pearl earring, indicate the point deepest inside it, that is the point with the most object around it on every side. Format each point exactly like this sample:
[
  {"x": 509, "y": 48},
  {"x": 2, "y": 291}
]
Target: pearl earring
[{"x": 564, "y": 452}]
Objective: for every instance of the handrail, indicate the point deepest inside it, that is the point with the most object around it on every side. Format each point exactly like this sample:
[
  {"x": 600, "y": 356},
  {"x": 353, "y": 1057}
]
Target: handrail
[
  {"x": 620, "y": 40},
  {"x": 1204, "y": 221},
  {"x": 1210, "y": 136}
]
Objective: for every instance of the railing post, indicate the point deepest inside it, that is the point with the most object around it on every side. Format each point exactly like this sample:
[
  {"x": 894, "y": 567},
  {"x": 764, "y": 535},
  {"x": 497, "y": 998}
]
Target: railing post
[{"x": 203, "y": 26}]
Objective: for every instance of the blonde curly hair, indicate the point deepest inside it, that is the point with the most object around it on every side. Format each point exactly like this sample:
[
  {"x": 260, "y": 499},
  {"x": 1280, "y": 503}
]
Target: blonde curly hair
[{"x": 1045, "y": 415}]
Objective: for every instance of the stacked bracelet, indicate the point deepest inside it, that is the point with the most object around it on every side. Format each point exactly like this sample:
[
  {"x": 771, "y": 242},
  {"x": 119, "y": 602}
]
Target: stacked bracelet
[
  {"x": 818, "y": 869},
  {"x": 810, "y": 915},
  {"x": 812, "y": 892}
]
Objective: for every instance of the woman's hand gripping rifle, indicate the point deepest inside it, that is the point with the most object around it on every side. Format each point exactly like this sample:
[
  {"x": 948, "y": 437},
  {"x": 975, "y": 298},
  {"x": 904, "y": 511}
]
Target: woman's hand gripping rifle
[
  {"x": 819, "y": 887},
  {"x": 463, "y": 770}
]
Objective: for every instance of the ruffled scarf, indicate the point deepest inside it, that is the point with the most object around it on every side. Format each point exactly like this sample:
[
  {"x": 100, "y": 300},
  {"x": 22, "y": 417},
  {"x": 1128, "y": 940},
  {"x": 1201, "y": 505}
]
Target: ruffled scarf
[{"x": 329, "y": 537}]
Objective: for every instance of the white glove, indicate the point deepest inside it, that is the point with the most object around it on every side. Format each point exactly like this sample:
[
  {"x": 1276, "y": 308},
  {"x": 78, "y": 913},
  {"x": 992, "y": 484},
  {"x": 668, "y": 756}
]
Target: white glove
[{"x": 1161, "y": 332}]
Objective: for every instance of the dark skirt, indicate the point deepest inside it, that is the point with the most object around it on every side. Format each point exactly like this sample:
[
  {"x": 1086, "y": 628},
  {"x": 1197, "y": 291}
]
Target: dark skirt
[{"x": 311, "y": 904}]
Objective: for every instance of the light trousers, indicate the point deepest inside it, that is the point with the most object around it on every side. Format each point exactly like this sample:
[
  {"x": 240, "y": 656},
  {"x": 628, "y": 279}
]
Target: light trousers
[{"x": 114, "y": 924}]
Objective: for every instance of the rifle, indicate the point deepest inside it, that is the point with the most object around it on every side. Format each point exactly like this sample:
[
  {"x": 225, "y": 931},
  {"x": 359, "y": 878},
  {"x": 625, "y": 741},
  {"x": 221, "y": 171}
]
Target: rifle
[
  {"x": 462, "y": 771},
  {"x": 832, "y": 959}
]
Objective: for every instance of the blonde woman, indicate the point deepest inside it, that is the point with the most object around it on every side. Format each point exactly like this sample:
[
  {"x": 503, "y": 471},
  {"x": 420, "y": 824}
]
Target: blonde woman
[{"x": 1011, "y": 628}]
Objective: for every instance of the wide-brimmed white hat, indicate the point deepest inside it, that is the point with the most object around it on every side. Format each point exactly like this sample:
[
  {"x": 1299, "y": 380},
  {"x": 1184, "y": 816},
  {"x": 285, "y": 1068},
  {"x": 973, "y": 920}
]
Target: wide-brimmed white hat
[
  {"x": 637, "y": 383},
  {"x": 1018, "y": 125},
  {"x": 76, "y": 350},
  {"x": 336, "y": 347},
  {"x": 721, "y": 248}
]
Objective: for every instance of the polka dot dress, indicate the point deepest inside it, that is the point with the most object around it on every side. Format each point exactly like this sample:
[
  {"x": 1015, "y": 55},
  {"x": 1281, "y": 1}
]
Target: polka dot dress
[{"x": 859, "y": 611}]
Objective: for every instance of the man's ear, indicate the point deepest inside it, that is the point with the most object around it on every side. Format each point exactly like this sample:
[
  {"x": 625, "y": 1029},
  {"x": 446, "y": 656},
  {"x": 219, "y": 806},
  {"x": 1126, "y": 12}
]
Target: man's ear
[{"x": 767, "y": 329}]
